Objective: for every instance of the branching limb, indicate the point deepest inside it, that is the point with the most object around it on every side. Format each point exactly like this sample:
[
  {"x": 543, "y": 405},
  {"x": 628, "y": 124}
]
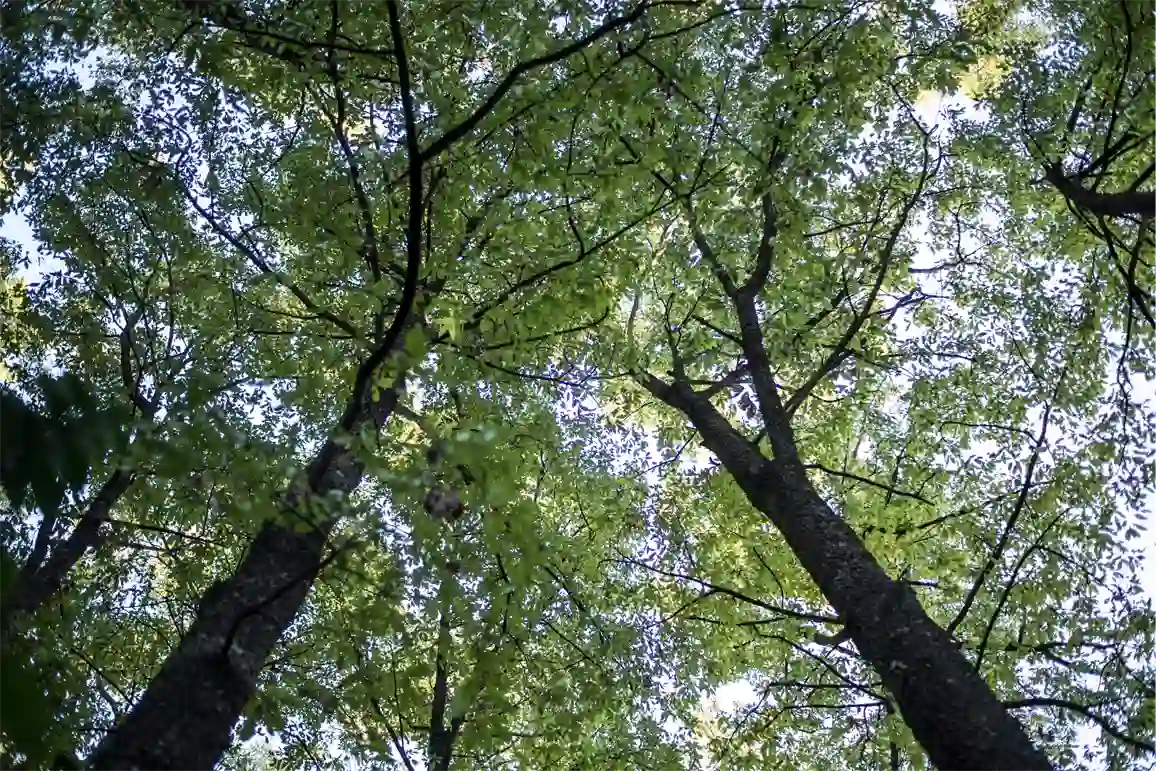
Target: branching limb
[
  {"x": 765, "y": 253},
  {"x": 132, "y": 382},
  {"x": 1129, "y": 203},
  {"x": 840, "y": 351},
  {"x": 355, "y": 410},
  {"x": 1009, "y": 526},
  {"x": 446, "y": 140}
]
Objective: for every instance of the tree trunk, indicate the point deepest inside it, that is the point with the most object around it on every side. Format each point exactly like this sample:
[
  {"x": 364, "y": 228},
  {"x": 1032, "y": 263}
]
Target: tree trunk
[
  {"x": 40, "y": 579},
  {"x": 949, "y": 707},
  {"x": 185, "y": 718}
]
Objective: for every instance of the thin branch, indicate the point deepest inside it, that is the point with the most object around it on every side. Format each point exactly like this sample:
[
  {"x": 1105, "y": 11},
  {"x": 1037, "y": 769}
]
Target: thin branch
[
  {"x": 259, "y": 262},
  {"x": 1100, "y": 720},
  {"x": 717, "y": 330},
  {"x": 393, "y": 735},
  {"x": 1010, "y": 584},
  {"x": 730, "y": 379},
  {"x": 718, "y": 589},
  {"x": 353, "y": 169},
  {"x": 840, "y": 351},
  {"x": 891, "y": 490},
  {"x": 1009, "y": 526},
  {"x": 459, "y": 131}
]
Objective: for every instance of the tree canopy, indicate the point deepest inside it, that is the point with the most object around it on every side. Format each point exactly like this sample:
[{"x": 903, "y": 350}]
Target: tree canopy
[{"x": 577, "y": 385}]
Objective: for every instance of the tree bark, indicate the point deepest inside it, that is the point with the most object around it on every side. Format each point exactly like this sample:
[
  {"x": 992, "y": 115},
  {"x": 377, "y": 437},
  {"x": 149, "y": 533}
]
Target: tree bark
[
  {"x": 185, "y": 718},
  {"x": 949, "y": 707}
]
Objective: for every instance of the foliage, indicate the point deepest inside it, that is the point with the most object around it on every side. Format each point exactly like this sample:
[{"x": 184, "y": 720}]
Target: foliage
[{"x": 220, "y": 199}]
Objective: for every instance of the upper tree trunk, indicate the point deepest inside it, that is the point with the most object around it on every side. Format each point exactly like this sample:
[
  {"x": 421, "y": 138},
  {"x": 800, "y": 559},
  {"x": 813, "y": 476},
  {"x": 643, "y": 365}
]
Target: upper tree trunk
[
  {"x": 949, "y": 707},
  {"x": 185, "y": 718}
]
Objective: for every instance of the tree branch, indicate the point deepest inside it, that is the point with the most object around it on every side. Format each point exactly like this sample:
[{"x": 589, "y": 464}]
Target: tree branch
[
  {"x": 1009, "y": 526},
  {"x": 840, "y": 351},
  {"x": 1042, "y": 701},
  {"x": 889, "y": 488},
  {"x": 1130, "y": 203},
  {"x": 452, "y": 135}
]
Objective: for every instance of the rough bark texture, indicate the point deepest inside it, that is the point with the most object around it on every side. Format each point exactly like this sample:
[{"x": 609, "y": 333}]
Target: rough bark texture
[
  {"x": 185, "y": 718},
  {"x": 951, "y": 710}
]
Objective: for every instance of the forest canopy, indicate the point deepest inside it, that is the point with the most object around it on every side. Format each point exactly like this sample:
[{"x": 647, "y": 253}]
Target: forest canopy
[{"x": 577, "y": 385}]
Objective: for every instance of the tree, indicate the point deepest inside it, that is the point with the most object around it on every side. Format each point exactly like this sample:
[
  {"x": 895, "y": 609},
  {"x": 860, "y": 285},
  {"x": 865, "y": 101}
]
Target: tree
[
  {"x": 186, "y": 715},
  {"x": 1082, "y": 109},
  {"x": 424, "y": 298},
  {"x": 917, "y": 660}
]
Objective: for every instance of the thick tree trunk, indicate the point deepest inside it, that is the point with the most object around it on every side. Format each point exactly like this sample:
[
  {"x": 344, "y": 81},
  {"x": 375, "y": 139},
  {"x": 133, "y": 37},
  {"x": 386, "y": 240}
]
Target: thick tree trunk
[
  {"x": 185, "y": 718},
  {"x": 951, "y": 710}
]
